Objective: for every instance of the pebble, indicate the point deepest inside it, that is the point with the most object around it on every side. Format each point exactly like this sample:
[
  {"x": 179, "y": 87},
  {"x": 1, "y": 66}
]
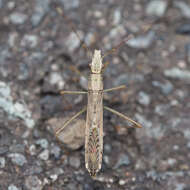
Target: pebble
[
  {"x": 177, "y": 73},
  {"x": 3, "y": 149},
  {"x": 44, "y": 155},
  {"x": 2, "y": 162},
  {"x": 107, "y": 148},
  {"x": 33, "y": 183},
  {"x": 90, "y": 39},
  {"x": 71, "y": 4},
  {"x": 73, "y": 135},
  {"x": 83, "y": 82},
  {"x": 122, "y": 182},
  {"x": 12, "y": 38},
  {"x": 56, "y": 78},
  {"x": 40, "y": 10},
  {"x": 106, "y": 160},
  {"x": 54, "y": 173},
  {"x": 18, "y": 18},
  {"x": 116, "y": 16},
  {"x": 153, "y": 175},
  {"x": 186, "y": 133},
  {"x": 161, "y": 109},
  {"x": 172, "y": 161},
  {"x": 43, "y": 143},
  {"x": 97, "y": 14},
  {"x": 35, "y": 168},
  {"x": 4, "y": 54},
  {"x": 183, "y": 29},
  {"x": 180, "y": 186},
  {"x": 14, "y": 109},
  {"x": 144, "y": 98},
  {"x": 156, "y": 8},
  {"x": 11, "y": 5},
  {"x": 17, "y": 148},
  {"x": 29, "y": 41},
  {"x": 187, "y": 51},
  {"x": 71, "y": 186},
  {"x": 32, "y": 150},
  {"x": 74, "y": 161},
  {"x": 143, "y": 41},
  {"x": 121, "y": 79},
  {"x": 21, "y": 111},
  {"x": 12, "y": 187},
  {"x": 119, "y": 30},
  {"x": 55, "y": 151},
  {"x": 188, "y": 145},
  {"x": 17, "y": 159},
  {"x": 166, "y": 88},
  {"x": 72, "y": 42},
  {"x": 123, "y": 160},
  {"x": 183, "y": 7}
]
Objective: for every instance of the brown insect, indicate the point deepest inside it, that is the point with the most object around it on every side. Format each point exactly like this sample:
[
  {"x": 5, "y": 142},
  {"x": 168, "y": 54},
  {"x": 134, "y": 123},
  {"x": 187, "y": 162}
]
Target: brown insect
[{"x": 94, "y": 117}]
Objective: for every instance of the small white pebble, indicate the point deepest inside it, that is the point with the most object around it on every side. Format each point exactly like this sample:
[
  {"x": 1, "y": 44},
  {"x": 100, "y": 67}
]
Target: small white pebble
[{"x": 122, "y": 182}]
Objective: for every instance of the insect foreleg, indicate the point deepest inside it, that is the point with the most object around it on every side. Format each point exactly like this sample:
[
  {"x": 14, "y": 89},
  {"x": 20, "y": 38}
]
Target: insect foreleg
[
  {"x": 123, "y": 116},
  {"x": 69, "y": 121},
  {"x": 115, "y": 88},
  {"x": 72, "y": 92}
]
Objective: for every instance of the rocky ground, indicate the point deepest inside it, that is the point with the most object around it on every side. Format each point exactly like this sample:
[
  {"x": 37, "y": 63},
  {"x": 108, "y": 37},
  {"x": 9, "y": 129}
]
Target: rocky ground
[{"x": 40, "y": 55}]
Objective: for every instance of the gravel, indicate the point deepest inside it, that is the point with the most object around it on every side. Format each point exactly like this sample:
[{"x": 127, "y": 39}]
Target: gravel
[
  {"x": 2, "y": 162},
  {"x": 177, "y": 73},
  {"x": 12, "y": 187},
  {"x": 74, "y": 162},
  {"x": 166, "y": 88},
  {"x": 72, "y": 4},
  {"x": 143, "y": 41},
  {"x": 183, "y": 29},
  {"x": 17, "y": 158},
  {"x": 18, "y": 18},
  {"x": 156, "y": 8},
  {"x": 37, "y": 50},
  {"x": 40, "y": 10},
  {"x": 44, "y": 155},
  {"x": 123, "y": 160},
  {"x": 144, "y": 98},
  {"x": 29, "y": 41},
  {"x": 1, "y": 3},
  {"x": 15, "y": 109},
  {"x": 43, "y": 143},
  {"x": 72, "y": 42},
  {"x": 33, "y": 183},
  {"x": 183, "y": 7}
]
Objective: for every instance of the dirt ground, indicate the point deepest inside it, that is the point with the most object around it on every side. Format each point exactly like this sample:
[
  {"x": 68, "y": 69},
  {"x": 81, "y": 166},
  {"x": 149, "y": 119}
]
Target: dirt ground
[{"x": 40, "y": 55}]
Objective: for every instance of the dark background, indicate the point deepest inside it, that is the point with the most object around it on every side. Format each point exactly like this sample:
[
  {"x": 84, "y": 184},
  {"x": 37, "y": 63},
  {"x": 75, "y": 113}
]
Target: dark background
[{"x": 40, "y": 55}]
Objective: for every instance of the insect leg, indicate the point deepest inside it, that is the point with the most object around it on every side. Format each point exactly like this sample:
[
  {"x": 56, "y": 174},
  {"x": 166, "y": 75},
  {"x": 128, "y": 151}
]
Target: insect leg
[
  {"x": 115, "y": 88},
  {"x": 123, "y": 116},
  {"x": 72, "y": 92},
  {"x": 69, "y": 121}
]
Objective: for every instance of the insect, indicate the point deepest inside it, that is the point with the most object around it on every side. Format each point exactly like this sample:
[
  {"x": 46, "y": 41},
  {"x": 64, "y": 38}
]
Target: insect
[{"x": 94, "y": 116}]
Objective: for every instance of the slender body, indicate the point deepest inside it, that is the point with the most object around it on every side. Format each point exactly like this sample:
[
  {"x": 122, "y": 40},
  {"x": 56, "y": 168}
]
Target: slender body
[{"x": 94, "y": 117}]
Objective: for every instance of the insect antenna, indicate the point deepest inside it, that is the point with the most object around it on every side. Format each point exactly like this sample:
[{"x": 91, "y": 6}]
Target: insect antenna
[
  {"x": 114, "y": 49},
  {"x": 129, "y": 37},
  {"x": 72, "y": 27}
]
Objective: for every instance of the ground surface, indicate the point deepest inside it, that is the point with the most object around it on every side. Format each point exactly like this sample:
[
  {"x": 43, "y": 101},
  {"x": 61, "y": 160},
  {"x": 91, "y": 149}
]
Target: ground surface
[{"x": 37, "y": 50}]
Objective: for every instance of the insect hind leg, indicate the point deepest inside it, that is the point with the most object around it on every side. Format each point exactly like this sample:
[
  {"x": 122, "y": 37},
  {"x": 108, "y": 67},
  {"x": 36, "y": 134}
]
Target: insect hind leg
[{"x": 135, "y": 124}]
